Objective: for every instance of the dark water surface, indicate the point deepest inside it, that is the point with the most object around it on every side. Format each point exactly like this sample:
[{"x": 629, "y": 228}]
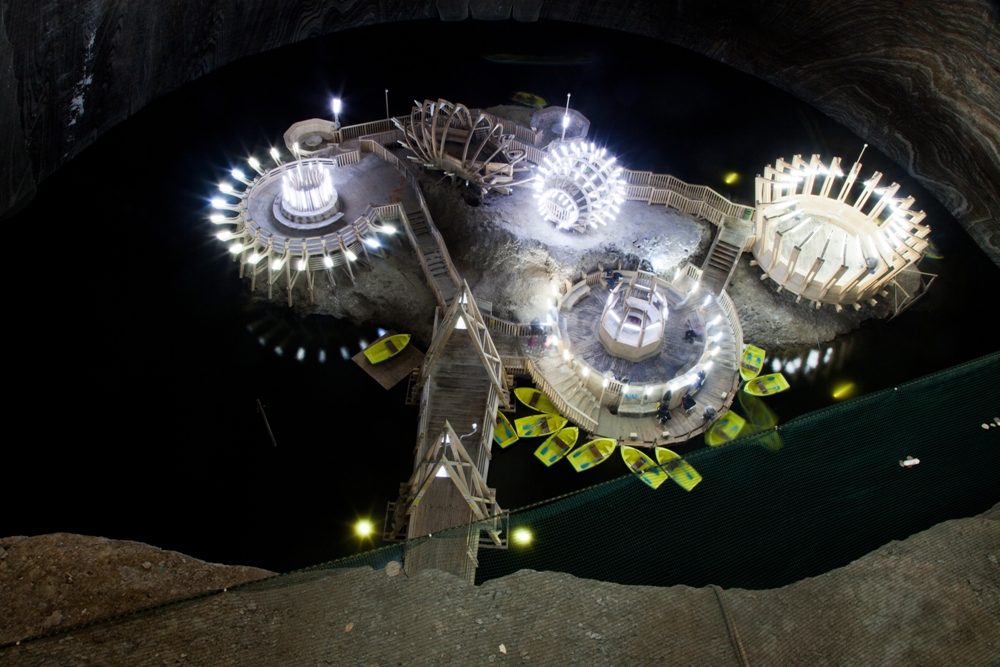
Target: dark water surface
[{"x": 136, "y": 357}]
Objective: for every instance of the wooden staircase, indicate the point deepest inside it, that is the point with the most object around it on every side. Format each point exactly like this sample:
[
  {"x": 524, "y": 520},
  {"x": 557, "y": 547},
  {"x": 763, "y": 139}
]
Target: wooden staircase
[
  {"x": 733, "y": 236},
  {"x": 719, "y": 265},
  {"x": 435, "y": 258},
  {"x": 569, "y": 390}
]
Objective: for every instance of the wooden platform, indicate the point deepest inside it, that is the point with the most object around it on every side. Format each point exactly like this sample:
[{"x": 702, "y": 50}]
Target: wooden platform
[{"x": 392, "y": 370}]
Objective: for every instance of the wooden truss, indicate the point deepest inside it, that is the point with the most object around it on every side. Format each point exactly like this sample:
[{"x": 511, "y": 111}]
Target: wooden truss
[
  {"x": 447, "y": 454},
  {"x": 464, "y": 314}
]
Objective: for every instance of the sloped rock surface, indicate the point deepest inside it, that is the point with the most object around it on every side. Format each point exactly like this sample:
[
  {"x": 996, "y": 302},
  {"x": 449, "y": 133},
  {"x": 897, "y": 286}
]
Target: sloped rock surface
[{"x": 933, "y": 599}]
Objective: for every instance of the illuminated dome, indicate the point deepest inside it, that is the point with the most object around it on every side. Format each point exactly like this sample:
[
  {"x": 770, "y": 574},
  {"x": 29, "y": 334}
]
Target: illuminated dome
[
  {"x": 578, "y": 187},
  {"x": 832, "y": 242},
  {"x": 308, "y": 198}
]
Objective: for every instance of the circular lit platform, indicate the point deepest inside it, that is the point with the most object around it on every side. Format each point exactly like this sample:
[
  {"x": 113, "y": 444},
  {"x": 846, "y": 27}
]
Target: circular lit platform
[
  {"x": 693, "y": 366},
  {"x": 831, "y": 240}
]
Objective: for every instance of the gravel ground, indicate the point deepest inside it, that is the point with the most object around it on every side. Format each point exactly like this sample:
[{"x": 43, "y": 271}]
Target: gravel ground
[
  {"x": 53, "y": 581},
  {"x": 930, "y": 600}
]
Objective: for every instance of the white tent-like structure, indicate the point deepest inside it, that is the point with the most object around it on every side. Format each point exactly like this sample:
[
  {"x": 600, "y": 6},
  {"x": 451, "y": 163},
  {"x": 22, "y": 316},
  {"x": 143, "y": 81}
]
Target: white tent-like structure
[{"x": 829, "y": 240}]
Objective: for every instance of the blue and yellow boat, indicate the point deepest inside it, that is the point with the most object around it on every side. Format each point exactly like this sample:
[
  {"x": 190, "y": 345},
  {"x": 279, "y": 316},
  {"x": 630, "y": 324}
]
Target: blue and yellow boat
[
  {"x": 592, "y": 453},
  {"x": 766, "y": 385},
  {"x": 535, "y": 426},
  {"x": 643, "y": 467},
  {"x": 557, "y": 445},
  {"x": 504, "y": 433},
  {"x": 725, "y": 429},
  {"x": 752, "y": 362},
  {"x": 535, "y": 400},
  {"x": 386, "y": 348},
  {"x": 679, "y": 470}
]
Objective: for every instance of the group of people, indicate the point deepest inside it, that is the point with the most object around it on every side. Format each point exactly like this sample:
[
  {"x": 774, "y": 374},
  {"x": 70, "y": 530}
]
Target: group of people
[{"x": 687, "y": 401}]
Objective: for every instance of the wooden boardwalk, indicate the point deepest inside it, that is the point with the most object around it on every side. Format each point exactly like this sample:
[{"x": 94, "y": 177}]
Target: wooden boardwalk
[
  {"x": 457, "y": 391},
  {"x": 435, "y": 260}
]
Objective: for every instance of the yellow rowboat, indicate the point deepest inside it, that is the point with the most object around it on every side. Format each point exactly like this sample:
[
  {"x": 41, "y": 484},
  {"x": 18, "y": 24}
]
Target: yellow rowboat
[
  {"x": 557, "y": 445},
  {"x": 503, "y": 433},
  {"x": 760, "y": 417},
  {"x": 725, "y": 429},
  {"x": 766, "y": 385},
  {"x": 643, "y": 467},
  {"x": 679, "y": 470},
  {"x": 386, "y": 348},
  {"x": 535, "y": 400},
  {"x": 592, "y": 453},
  {"x": 538, "y": 425},
  {"x": 753, "y": 361},
  {"x": 529, "y": 99}
]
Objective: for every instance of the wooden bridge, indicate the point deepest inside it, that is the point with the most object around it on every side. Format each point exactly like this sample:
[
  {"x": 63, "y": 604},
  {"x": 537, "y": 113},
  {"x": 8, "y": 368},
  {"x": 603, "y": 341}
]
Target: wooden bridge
[{"x": 461, "y": 386}]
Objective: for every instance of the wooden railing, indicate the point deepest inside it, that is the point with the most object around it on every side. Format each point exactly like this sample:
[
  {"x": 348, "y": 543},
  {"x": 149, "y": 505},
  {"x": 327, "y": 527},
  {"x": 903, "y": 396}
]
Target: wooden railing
[
  {"x": 351, "y": 157},
  {"x": 349, "y": 132},
  {"x": 564, "y": 407},
  {"x": 517, "y": 365},
  {"x": 697, "y": 200},
  {"x": 734, "y": 321},
  {"x": 313, "y": 247},
  {"x": 513, "y": 328},
  {"x": 370, "y": 146},
  {"x": 523, "y": 134}
]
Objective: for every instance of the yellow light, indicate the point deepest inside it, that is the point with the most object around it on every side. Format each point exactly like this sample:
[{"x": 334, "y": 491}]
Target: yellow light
[
  {"x": 363, "y": 528},
  {"x": 522, "y": 536},
  {"x": 732, "y": 178},
  {"x": 844, "y": 390}
]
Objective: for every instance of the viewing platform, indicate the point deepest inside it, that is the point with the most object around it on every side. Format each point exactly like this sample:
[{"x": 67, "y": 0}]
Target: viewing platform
[{"x": 613, "y": 397}]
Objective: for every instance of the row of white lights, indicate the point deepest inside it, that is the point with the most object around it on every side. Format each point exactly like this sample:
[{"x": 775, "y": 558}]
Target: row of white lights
[
  {"x": 254, "y": 257},
  {"x": 565, "y": 165}
]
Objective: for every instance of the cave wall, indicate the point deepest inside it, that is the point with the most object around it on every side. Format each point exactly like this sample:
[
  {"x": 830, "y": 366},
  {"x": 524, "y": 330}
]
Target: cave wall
[{"x": 919, "y": 79}]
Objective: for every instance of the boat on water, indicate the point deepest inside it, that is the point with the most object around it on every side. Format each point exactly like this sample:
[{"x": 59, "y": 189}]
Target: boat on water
[
  {"x": 535, "y": 400},
  {"x": 386, "y": 348},
  {"x": 529, "y": 99},
  {"x": 760, "y": 418},
  {"x": 679, "y": 470},
  {"x": 557, "y": 445},
  {"x": 752, "y": 362},
  {"x": 592, "y": 453},
  {"x": 504, "y": 433},
  {"x": 643, "y": 467},
  {"x": 725, "y": 429},
  {"x": 538, "y": 425},
  {"x": 766, "y": 385}
]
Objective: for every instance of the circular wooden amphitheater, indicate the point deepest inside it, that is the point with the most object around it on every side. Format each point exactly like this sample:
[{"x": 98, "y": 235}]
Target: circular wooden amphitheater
[{"x": 611, "y": 396}]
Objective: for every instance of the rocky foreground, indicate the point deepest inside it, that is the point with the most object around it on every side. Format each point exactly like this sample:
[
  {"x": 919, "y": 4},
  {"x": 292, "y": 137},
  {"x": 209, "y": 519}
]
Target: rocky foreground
[
  {"x": 51, "y": 582},
  {"x": 933, "y": 599}
]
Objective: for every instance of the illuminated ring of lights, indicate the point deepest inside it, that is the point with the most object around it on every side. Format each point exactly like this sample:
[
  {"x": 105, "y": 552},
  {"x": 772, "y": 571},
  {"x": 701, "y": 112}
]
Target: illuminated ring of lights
[
  {"x": 250, "y": 243},
  {"x": 578, "y": 187}
]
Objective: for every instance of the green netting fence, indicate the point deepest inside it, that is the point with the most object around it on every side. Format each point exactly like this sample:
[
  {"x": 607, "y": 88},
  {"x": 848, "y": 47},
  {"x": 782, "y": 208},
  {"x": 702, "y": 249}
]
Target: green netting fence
[
  {"x": 773, "y": 508},
  {"x": 813, "y": 494}
]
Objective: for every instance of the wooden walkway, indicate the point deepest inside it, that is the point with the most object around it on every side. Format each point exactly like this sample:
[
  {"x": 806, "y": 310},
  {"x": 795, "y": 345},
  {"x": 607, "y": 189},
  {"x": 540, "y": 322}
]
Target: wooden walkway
[
  {"x": 435, "y": 260},
  {"x": 457, "y": 391}
]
